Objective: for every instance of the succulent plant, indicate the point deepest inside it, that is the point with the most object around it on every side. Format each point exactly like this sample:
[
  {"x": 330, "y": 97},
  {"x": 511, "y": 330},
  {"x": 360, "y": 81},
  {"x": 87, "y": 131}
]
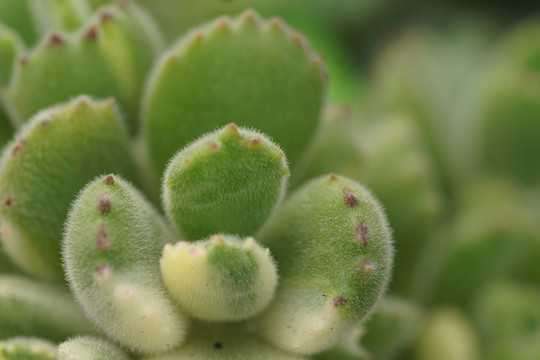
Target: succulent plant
[
  {"x": 211, "y": 194},
  {"x": 226, "y": 265}
]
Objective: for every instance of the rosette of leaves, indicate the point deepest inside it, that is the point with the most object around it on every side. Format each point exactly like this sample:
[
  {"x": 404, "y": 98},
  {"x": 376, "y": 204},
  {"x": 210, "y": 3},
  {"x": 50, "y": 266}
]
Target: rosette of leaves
[{"x": 227, "y": 267}]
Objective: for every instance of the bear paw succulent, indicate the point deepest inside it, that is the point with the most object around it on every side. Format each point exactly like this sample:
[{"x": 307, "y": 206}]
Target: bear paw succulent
[{"x": 226, "y": 265}]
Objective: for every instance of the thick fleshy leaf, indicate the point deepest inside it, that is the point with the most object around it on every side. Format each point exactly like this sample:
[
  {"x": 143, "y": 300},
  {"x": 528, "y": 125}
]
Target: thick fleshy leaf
[
  {"x": 45, "y": 166},
  {"x": 112, "y": 245},
  {"x": 334, "y": 250},
  {"x": 226, "y": 182},
  {"x": 247, "y": 71},
  {"x": 220, "y": 279},
  {"x": 109, "y": 57}
]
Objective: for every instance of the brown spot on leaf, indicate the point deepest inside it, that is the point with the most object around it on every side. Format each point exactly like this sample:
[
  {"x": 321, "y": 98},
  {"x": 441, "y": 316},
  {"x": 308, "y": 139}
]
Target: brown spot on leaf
[
  {"x": 55, "y": 39},
  {"x": 109, "y": 180},
  {"x": 104, "y": 204},
  {"x": 102, "y": 239},
  {"x": 46, "y": 121},
  {"x": 332, "y": 177},
  {"x": 198, "y": 37},
  {"x": 90, "y": 34},
  {"x": 254, "y": 141},
  {"x": 8, "y": 202},
  {"x": 350, "y": 199},
  {"x": 362, "y": 231},
  {"x": 366, "y": 267},
  {"x": 17, "y": 148},
  {"x": 213, "y": 145},
  {"x": 23, "y": 60},
  {"x": 338, "y": 301},
  {"x": 105, "y": 16},
  {"x": 223, "y": 23}
]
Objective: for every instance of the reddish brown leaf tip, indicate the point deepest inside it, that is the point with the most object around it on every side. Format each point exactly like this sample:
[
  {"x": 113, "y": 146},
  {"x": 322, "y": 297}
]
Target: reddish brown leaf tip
[
  {"x": 109, "y": 180},
  {"x": 46, "y": 121},
  {"x": 250, "y": 17},
  {"x": 223, "y": 23},
  {"x": 17, "y": 148},
  {"x": 362, "y": 232},
  {"x": 232, "y": 129},
  {"x": 104, "y": 204},
  {"x": 254, "y": 141},
  {"x": 102, "y": 239},
  {"x": 90, "y": 34},
  {"x": 55, "y": 39},
  {"x": 276, "y": 24},
  {"x": 332, "y": 177},
  {"x": 198, "y": 37},
  {"x": 338, "y": 301},
  {"x": 105, "y": 16},
  {"x": 350, "y": 199}
]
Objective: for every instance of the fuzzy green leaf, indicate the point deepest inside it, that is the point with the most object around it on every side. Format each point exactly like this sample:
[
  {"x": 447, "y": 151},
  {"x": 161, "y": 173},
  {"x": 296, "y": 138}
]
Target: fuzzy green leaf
[
  {"x": 112, "y": 245},
  {"x": 44, "y": 167},
  {"x": 220, "y": 279},
  {"x": 109, "y": 57},
  {"x": 248, "y": 71},
  {"x": 226, "y": 182},
  {"x": 334, "y": 250}
]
